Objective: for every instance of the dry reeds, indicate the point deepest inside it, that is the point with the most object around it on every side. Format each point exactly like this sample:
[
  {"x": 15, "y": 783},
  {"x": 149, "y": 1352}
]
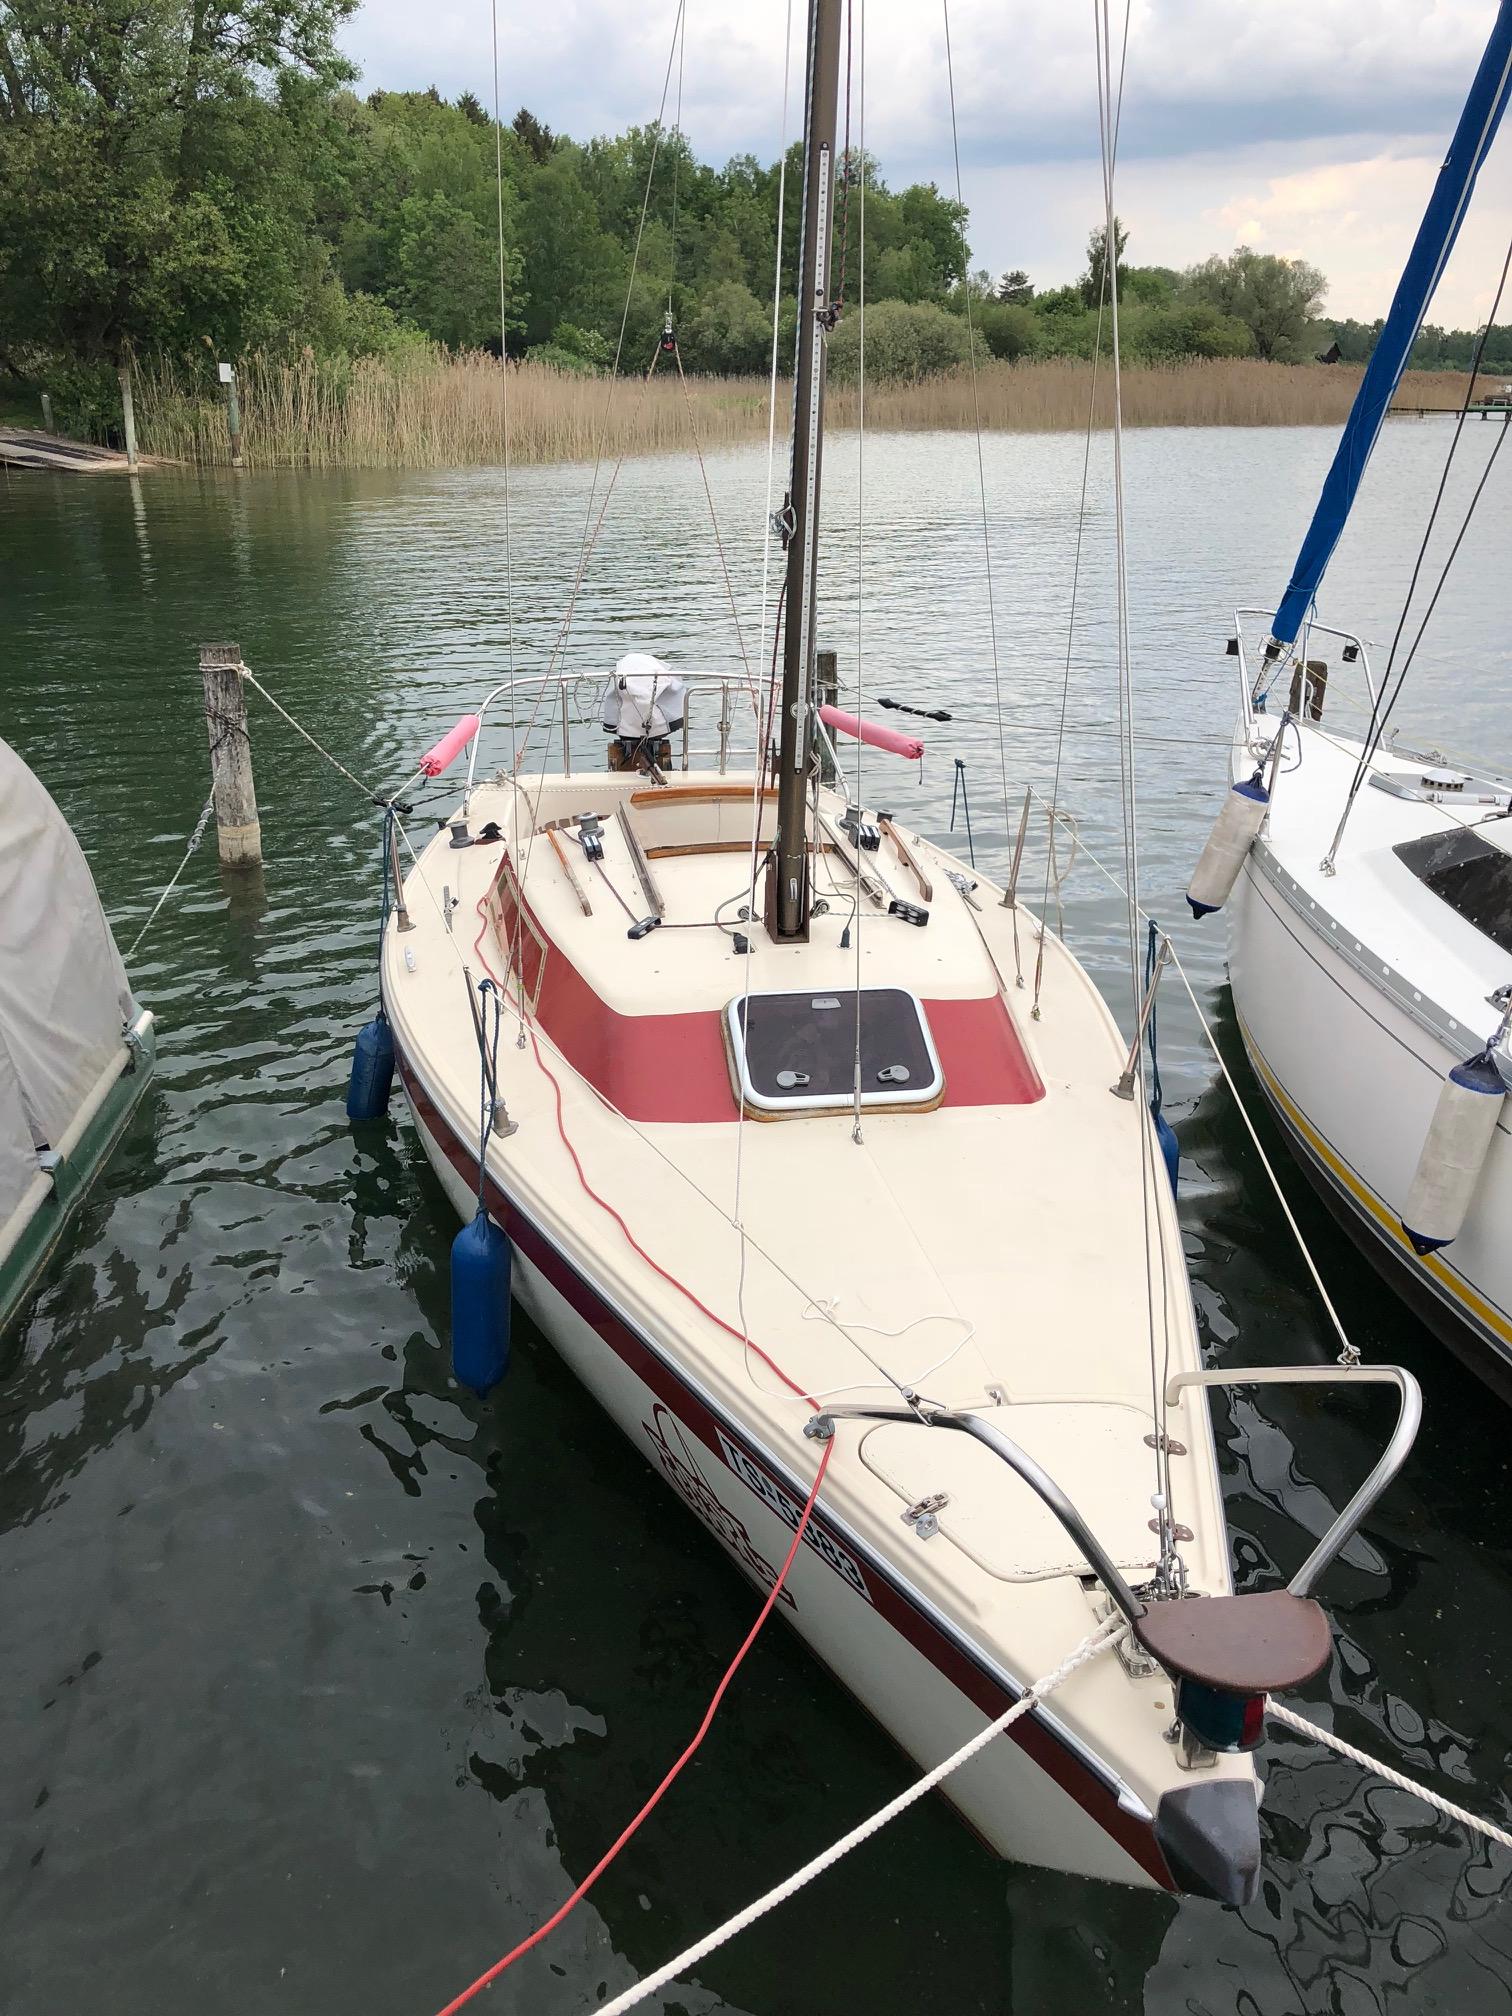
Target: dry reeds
[
  {"x": 1052, "y": 396},
  {"x": 431, "y": 409}
]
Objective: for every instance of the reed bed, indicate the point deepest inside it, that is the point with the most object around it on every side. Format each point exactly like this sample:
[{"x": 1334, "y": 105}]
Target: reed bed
[{"x": 434, "y": 410}]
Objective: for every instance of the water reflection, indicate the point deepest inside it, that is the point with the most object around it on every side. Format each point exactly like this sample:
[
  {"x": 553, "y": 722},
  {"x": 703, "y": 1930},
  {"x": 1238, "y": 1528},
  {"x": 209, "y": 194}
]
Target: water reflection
[{"x": 303, "y": 1646}]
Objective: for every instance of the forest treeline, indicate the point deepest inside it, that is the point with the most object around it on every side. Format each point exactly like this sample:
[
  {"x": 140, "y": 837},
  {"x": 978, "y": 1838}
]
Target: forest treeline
[{"x": 187, "y": 183}]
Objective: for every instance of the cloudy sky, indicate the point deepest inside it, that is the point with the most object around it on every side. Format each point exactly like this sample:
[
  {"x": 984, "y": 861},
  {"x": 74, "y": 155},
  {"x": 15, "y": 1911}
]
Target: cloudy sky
[{"x": 1307, "y": 127}]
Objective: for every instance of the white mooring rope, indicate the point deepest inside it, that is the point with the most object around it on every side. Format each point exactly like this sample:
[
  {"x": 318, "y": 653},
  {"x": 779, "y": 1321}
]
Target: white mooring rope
[
  {"x": 1090, "y": 1647},
  {"x": 374, "y": 797},
  {"x": 1403, "y": 1783}
]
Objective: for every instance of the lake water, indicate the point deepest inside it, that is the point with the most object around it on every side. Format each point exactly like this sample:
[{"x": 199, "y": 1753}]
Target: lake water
[{"x": 320, "y": 1682}]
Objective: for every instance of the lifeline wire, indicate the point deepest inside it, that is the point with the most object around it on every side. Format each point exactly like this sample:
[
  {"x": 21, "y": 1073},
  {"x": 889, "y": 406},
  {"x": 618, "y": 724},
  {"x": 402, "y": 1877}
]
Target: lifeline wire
[{"x": 1095, "y": 1643}]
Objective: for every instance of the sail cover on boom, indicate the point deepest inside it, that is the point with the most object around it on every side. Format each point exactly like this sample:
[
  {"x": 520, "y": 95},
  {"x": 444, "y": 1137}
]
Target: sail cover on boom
[{"x": 1431, "y": 249}]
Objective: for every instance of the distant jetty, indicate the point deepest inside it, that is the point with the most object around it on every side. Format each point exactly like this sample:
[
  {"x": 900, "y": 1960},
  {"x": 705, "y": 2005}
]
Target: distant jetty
[{"x": 30, "y": 448}]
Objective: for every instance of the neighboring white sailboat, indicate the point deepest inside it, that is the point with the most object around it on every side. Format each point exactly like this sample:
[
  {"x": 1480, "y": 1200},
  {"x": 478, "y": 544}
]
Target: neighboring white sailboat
[
  {"x": 1370, "y": 943},
  {"x": 801, "y": 1172},
  {"x": 76, "y": 1049}
]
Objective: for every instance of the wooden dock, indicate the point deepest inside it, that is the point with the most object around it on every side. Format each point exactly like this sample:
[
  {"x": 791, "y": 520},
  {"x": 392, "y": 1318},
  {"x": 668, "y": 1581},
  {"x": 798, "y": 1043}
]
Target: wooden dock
[
  {"x": 30, "y": 448},
  {"x": 1472, "y": 413}
]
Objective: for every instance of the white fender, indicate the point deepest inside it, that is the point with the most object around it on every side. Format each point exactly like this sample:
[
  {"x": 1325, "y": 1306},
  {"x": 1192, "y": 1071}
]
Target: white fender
[
  {"x": 1232, "y": 836},
  {"x": 1454, "y": 1154}
]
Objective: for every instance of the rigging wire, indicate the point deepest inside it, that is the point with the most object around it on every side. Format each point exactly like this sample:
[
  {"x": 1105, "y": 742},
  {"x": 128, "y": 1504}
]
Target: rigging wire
[
  {"x": 1378, "y": 716},
  {"x": 504, "y": 418},
  {"x": 736, "y": 1214},
  {"x": 503, "y": 348},
  {"x": 1081, "y": 527},
  {"x": 976, "y": 412},
  {"x": 677, "y": 134},
  {"x": 1169, "y": 1562},
  {"x": 592, "y": 528},
  {"x": 856, "y": 1129}
]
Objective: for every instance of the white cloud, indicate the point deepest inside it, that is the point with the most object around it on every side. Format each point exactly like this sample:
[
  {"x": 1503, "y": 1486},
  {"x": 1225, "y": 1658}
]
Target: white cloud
[{"x": 1311, "y": 127}]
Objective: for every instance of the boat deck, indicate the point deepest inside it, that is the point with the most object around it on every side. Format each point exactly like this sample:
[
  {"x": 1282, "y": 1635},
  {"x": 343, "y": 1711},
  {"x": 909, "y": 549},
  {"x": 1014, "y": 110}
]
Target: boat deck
[{"x": 990, "y": 1251}]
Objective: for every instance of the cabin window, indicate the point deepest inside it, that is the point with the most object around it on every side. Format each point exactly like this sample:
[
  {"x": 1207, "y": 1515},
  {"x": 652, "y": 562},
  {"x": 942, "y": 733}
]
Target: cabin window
[
  {"x": 795, "y": 1053},
  {"x": 1471, "y": 874}
]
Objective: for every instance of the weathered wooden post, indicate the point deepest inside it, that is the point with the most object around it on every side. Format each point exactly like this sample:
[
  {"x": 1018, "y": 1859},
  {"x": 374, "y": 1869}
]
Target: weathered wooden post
[
  {"x": 236, "y": 822},
  {"x": 233, "y": 413},
  {"x": 47, "y": 424},
  {"x": 827, "y": 680},
  {"x": 128, "y": 415}
]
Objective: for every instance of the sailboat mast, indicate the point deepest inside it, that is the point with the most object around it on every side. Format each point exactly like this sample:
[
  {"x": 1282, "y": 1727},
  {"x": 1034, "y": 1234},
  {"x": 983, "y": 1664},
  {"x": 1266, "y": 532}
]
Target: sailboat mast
[{"x": 787, "y": 892}]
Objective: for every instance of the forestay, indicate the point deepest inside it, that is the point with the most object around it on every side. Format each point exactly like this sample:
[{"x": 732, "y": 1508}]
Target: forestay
[{"x": 1431, "y": 248}]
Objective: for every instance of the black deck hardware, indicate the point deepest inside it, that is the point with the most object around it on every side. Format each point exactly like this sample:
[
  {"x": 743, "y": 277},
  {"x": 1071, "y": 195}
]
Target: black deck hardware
[
  {"x": 592, "y": 835},
  {"x": 911, "y": 913},
  {"x": 646, "y": 925},
  {"x": 864, "y": 833}
]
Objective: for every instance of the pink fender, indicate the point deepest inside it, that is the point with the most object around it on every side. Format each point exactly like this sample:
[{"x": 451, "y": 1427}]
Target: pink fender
[
  {"x": 868, "y": 731},
  {"x": 452, "y": 743}
]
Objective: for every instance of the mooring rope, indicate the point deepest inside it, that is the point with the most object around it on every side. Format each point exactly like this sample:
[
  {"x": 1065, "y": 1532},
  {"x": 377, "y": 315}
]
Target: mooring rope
[
  {"x": 194, "y": 840},
  {"x": 1096, "y": 1643},
  {"x": 1402, "y": 1782},
  {"x": 373, "y": 797}
]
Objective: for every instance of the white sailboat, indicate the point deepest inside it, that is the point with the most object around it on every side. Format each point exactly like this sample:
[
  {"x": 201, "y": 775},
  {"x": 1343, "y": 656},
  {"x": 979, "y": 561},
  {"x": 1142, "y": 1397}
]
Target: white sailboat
[
  {"x": 1370, "y": 944},
  {"x": 801, "y": 1180}
]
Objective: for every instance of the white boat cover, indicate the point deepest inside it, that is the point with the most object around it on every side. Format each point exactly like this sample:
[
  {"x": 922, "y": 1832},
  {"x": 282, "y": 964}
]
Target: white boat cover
[
  {"x": 644, "y": 699},
  {"x": 64, "y": 996}
]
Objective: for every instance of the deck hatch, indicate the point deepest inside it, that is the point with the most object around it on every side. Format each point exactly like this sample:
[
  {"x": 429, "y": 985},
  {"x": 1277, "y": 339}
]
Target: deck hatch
[
  {"x": 1470, "y": 874},
  {"x": 797, "y": 1052}
]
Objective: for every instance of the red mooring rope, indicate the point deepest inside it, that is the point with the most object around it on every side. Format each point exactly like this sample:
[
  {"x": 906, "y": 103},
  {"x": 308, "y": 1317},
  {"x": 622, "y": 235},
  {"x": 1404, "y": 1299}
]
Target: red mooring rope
[{"x": 628, "y": 1833}]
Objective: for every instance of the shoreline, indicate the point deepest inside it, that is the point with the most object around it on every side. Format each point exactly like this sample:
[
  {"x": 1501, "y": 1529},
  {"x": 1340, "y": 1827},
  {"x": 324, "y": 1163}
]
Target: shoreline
[{"x": 450, "y": 411}]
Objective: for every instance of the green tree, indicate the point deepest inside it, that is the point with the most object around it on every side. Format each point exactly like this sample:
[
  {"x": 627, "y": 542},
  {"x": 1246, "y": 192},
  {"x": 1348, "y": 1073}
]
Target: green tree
[
  {"x": 905, "y": 341},
  {"x": 152, "y": 158},
  {"x": 1274, "y": 298},
  {"x": 730, "y": 332},
  {"x": 538, "y": 140},
  {"x": 1009, "y": 329},
  {"x": 1015, "y": 287},
  {"x": 1093, "y": 282},
  {"x": 446, "y": 272}
]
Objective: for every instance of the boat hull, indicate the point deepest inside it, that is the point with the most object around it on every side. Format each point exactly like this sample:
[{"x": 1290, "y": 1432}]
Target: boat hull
[
  {"x": 1353, "y": 1082},
  {"x": 32, "y": 1243},
  {"x": 1037, "y": 1796}
]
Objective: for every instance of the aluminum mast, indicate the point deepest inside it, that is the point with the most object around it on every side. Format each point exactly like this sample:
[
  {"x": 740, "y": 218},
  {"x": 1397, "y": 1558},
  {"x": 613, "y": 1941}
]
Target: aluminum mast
[{"x": 787, "y": 889}]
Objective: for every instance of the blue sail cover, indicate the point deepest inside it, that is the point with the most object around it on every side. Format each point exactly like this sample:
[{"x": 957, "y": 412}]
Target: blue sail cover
[{"x": 1434, "y": 242}]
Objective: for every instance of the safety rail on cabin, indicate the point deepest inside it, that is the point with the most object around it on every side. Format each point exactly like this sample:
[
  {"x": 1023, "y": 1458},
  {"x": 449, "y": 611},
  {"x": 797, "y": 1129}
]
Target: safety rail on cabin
[{"x": 738, "y": 703}]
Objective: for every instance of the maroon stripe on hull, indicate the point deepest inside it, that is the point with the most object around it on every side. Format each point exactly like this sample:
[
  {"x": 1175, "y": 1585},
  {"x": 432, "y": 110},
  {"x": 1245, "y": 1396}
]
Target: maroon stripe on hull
[{"x": 950, "y": 1658}]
